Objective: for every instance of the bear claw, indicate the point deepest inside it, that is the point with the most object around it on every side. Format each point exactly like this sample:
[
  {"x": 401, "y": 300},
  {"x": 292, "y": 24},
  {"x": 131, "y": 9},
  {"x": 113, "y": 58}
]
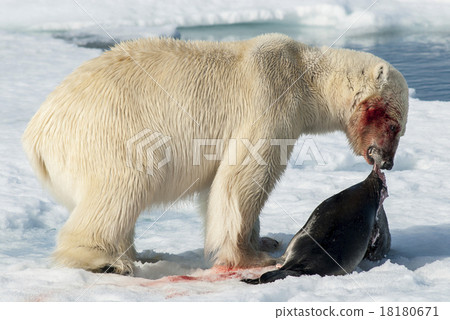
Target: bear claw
[{"x": 112, "y": 269}]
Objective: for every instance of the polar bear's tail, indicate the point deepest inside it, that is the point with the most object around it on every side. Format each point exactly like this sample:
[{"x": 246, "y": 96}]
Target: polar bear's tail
[{"x": 30, "y": 145}]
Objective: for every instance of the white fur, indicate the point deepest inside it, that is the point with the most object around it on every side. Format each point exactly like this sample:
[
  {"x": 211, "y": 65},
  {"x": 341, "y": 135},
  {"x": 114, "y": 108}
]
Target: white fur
[{"x": 77, "y": 141}]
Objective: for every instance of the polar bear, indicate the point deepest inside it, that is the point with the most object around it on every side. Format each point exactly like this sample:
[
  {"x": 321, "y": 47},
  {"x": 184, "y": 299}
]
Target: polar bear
[{"x": 155, "y": 120}]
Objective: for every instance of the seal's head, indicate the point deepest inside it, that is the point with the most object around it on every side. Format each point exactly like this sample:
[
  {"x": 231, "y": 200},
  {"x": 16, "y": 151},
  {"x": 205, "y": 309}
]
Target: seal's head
[{"x": 377, "y": 184}]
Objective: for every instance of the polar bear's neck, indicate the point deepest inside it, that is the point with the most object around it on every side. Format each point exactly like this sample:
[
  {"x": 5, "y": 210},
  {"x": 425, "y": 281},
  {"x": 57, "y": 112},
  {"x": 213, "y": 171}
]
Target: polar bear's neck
[{"x": 339, "y": 78}]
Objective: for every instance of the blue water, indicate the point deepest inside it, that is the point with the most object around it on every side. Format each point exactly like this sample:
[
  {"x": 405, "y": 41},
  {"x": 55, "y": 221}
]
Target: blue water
[{"x": 425, "y": 65}]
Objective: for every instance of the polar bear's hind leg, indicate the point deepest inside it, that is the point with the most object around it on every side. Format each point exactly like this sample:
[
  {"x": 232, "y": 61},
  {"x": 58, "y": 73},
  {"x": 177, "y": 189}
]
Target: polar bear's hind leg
[{"x": 99, "y": 233}]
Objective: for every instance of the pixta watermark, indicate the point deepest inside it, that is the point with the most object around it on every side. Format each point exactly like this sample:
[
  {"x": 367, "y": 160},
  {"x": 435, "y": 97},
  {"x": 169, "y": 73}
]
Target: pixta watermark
[{"x": 148, "y": 150}]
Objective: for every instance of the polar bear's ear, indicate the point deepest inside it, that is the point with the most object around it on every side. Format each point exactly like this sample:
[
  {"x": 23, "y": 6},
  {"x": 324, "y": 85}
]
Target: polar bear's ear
[{"x": 381, "y": 72}]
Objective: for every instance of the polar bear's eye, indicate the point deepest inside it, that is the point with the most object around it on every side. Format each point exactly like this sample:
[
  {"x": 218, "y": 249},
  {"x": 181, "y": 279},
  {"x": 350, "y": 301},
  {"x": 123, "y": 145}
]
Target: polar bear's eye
[{"x": 393, "y": 128}]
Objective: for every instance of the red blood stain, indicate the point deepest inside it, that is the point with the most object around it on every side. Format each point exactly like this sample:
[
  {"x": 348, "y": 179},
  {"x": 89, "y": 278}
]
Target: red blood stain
[
  {"x": 218, "y": 273},
  {"x": 376, "y": 117},
  {"x": 177, "y": 294},
  {"x": 224, "y": 269},
  {"x": 181, "y": 278},
  {"x": 375, "y": 112}
]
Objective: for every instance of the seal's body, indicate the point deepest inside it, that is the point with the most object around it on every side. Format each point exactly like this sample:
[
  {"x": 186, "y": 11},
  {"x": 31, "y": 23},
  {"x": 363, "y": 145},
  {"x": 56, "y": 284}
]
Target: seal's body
[
  {"x": 338, "y": 234},
  {"x": 380, "y": 241}
]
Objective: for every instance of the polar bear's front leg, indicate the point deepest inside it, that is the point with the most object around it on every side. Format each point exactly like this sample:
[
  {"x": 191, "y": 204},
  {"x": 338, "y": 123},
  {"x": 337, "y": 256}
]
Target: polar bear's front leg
[{"x": 237, "y": 196}]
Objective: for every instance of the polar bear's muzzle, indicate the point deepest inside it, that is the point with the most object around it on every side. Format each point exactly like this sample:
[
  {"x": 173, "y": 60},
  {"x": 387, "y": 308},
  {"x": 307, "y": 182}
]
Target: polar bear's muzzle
[{"x": 377, "y": 156}]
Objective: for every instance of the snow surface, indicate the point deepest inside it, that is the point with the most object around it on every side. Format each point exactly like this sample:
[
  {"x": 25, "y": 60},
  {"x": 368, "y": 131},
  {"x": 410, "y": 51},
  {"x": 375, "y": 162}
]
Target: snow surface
[
  {"x": 76, "y": 14},
  {"x": 33, "y": 62},
  {"x": 125, "y": 19}
]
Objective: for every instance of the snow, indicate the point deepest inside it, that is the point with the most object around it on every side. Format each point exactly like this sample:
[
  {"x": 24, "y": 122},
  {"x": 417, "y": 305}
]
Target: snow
[
  {"x": 33, "y": 62},
  {"x": 35, "y": 15},
  {"x": 138, "y": 18}
]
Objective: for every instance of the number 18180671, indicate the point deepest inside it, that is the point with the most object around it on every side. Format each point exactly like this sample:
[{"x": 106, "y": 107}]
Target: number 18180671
[{"x": 409, "y": 311}]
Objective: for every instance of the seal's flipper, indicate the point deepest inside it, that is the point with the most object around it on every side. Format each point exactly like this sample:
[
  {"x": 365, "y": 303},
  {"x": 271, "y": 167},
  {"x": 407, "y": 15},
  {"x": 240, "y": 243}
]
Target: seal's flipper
[
  {"x": 272, "y": 276},
  {"x": 251, "y": 281}
]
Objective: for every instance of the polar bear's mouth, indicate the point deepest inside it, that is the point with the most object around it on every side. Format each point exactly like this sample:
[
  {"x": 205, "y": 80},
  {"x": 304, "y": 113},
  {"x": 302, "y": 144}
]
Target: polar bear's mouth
[{"x": 374, "y": 155}]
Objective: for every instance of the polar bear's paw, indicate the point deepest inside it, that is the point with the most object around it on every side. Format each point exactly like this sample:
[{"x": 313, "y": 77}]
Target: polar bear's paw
[
  {"x": 94, "y": 259},
  {"x": 260, "y": 259},
  {"x": 120, "y": 267},
  {"x": 268, "y": 244},
  {"x": 246, "y": 260}
]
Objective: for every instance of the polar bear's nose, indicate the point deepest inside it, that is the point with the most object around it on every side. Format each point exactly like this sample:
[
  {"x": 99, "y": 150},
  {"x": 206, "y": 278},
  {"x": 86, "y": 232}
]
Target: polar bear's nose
[
  {"x": 378, "y": 156},
  {"x": 387, "y": 164}
]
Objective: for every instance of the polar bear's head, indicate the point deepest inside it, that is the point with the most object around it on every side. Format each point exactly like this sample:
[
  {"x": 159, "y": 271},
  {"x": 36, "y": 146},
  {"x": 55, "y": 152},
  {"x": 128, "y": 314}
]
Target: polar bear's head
[{"x": 379, "y": 117}]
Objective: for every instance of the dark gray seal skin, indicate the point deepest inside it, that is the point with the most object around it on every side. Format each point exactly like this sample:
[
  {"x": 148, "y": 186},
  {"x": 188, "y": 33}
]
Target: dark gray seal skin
[
  {"x": 337, "y": 235},
  {"x": 380, "y": 241}
]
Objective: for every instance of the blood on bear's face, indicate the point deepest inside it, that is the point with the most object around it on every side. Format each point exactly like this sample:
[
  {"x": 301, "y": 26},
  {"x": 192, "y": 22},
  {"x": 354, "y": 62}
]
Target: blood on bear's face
[{"x": 374, "y": 132}]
